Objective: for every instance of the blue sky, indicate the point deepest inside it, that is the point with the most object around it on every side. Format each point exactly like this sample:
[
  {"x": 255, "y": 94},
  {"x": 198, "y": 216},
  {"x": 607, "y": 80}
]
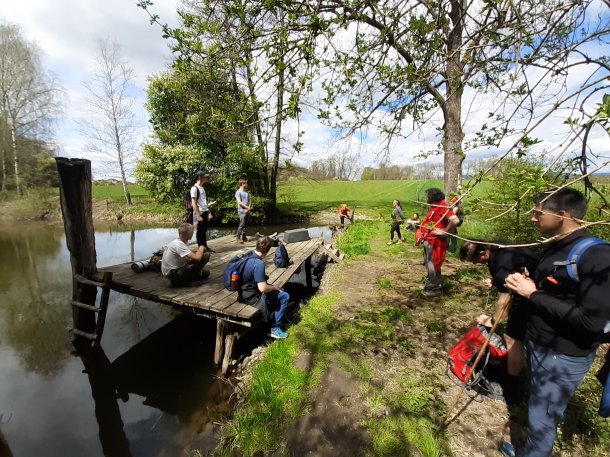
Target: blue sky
[{"x": 66, "y": 32}]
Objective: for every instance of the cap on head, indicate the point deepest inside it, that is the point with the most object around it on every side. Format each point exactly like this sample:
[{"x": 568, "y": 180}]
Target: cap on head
[{"x": 202, "y": 174}]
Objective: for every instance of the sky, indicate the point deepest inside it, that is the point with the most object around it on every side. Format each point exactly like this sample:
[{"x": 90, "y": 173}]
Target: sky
[{"x": 66, "y": 32}]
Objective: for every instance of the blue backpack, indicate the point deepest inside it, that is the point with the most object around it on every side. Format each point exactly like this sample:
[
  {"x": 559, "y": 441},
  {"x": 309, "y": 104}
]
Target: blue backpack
[
  {"x": 237, "y": 263},
  {"x": 281, "y": 259}
]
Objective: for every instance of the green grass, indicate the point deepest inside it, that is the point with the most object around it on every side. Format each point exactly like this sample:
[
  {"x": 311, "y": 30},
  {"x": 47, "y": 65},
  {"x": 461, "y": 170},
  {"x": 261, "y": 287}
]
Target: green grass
[
  {"x": 115, "y": 191},
  {"x": 356, "y": 241},
  {"x": 278, "y": 389}
]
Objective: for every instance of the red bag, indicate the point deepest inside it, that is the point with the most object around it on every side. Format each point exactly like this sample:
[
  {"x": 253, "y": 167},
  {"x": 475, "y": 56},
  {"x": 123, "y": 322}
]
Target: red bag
[{"x": 465, "y": 351}]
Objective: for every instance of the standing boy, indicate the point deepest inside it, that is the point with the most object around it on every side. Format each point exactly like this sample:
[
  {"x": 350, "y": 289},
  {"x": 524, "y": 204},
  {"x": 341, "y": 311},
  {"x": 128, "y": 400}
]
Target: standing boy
[
  {"x": 568, "y": 315},
  {"x": 243, "y": 209},
  {"x": 201, "y": 213},
  {"x": 439, "y": 221}
]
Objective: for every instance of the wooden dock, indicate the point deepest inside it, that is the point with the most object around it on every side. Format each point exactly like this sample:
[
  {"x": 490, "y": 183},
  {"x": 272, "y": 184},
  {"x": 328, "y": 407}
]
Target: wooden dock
[{"x": 210, "y": 299}]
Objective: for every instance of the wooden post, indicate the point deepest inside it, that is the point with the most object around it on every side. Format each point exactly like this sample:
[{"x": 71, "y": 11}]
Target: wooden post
[
  {"x": 229, "y": 342},
  {"x": 5, "y": 450},
  {"x": 101, "y": 317},
  {"x": 76, "y": 208},
  {"x": 221, "y": 327},
  {"x": 308, "y": 280}
]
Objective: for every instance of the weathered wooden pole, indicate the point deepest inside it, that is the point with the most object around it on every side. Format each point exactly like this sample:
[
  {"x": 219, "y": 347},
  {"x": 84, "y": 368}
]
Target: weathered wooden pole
[{"x": 76, "y": 208}]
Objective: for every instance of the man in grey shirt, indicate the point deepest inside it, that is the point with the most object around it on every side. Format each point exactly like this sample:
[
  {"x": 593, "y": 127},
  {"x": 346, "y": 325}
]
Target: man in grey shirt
[{"x": 243, "y": 209}]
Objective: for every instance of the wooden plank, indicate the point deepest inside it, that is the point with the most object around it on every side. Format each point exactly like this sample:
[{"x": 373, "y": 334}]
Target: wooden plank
[
  {"x": 221, "y": 326},
  {"x": 229, "y": 342},
  {"x": 94, "y": 309}
]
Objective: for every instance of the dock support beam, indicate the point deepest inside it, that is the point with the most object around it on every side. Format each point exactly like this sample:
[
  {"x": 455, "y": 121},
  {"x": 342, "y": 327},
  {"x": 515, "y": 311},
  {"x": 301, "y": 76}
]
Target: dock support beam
[
  {"x": 76, "y": 208},
  {"x": 221, "y": 328},
  {"x": 308, "y": 280}
]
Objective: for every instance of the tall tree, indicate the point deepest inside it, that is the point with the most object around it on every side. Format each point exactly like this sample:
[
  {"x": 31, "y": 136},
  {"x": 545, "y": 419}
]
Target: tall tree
[
  {"x": 266, "y": 65},
  {"x": 29, "y": 97},
  {"x": 109, "y": 120},
  {"x": 390, "y": 63}
]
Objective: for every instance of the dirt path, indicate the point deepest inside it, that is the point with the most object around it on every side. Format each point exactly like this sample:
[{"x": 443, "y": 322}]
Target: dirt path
[{"x": 389, "y": 371}]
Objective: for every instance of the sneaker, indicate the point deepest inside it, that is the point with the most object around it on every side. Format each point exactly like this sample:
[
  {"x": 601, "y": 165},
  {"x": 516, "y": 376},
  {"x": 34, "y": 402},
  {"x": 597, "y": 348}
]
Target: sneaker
[
  {"x": 400, "y": 242},
  {"x": 389, "y": 243},
  {"x": 278, "y": 333},
  {"x": 507, "y": 449}
]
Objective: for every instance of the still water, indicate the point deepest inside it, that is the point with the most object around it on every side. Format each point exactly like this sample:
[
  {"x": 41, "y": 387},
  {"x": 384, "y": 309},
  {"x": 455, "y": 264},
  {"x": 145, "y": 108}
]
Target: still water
[{"x": 150, "y": 391}]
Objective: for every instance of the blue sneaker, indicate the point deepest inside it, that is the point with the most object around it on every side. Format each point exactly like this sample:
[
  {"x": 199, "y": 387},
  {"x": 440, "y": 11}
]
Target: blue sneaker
[
  {"x": 507, "y": 449},
  {"x": 277, "y": 332}
]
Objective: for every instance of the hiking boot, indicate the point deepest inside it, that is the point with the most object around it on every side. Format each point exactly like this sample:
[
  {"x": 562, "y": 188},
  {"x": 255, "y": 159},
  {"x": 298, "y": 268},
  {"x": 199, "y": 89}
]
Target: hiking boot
[
  {"x": 205, "y": 273},
  {"x": 507, "y": 449},
  {"x": 245, "y": 239},
  {"x": 278, "y": 333}
]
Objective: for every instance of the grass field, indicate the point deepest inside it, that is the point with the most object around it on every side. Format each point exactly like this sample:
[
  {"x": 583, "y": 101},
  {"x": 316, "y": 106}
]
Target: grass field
[{"x": 311, "y": 196}]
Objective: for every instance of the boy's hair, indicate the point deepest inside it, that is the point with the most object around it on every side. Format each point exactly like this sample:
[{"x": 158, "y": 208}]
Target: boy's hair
[
  {"x": 263, "y": 244},
  {"x": 569, "y": 200},
  {"x": 185, "y": 228},
  {"x": 471, "y": 250},
  {"x": 201, "y": 174},
  {"x": 434, "y": 195},
  {"x": 398, "y": 202},
  {"x": 241, "y": 182}
]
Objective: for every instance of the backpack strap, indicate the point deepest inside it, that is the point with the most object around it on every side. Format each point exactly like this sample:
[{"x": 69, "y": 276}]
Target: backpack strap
[{"x": 575, "y": 255}]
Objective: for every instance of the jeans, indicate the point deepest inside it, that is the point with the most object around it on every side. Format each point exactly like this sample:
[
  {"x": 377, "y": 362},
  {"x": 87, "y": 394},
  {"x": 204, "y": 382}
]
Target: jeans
[
  {"x": 241, "y": 229},
  {"x": 202, "y": 230},
  {"x": 554, "y": 379},
  {"x": 282, "y": 299}
]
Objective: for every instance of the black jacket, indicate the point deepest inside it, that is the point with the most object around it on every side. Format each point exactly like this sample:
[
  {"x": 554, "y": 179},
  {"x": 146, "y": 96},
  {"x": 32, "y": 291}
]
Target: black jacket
[
  {"x": 570, "y": 316},
  {"x": 504, "y": 261}
]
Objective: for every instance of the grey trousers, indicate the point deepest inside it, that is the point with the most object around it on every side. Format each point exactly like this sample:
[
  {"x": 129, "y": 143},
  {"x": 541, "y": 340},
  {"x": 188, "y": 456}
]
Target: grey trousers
[
  {"x": 241, "y": 228},
  {"x": 434, "y": 277}
]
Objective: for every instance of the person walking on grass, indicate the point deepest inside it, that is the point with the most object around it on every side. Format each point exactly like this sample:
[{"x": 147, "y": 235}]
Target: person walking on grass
[
  {"x": 243, "y": 209},
  {"x": 179, "y": 264},
  {"x": 397, "y": 219},
  {"x": 501, "y": 262},
  {"x": 432, "y": 234},
  {"x": 568, "y": 314},
  {"x": 201, "y": 212},
  {"x": 271, "y": 300}
]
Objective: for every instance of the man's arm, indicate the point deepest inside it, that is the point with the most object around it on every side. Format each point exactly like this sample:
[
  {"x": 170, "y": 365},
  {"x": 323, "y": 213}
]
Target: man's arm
[
  {"x": 453, "y": 222},
  {"x": 197, "y": 255},
  {"x": 266, "y": 288}
]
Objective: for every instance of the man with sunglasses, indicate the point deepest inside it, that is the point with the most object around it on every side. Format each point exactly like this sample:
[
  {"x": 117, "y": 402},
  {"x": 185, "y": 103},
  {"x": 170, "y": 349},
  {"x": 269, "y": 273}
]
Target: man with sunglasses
[{"x": 567, "y": 317}]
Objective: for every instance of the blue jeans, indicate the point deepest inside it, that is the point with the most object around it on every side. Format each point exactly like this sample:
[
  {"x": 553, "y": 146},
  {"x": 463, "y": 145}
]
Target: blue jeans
[
  {"x": 282, "y": 299},
  {"x": 554, "y": 379}
]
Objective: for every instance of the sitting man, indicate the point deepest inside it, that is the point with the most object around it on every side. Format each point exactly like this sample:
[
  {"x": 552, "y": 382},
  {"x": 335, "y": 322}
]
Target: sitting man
[
  {"x": 181, "y": 265},
  {"x": 255, "y": 291},
  {"x": 501, "y": 262}
]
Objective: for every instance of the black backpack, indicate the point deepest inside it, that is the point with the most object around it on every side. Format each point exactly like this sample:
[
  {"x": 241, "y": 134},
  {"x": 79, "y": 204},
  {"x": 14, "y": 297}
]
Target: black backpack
[
  {"x": 188, "y": 204},
  {"x": 238, "y": 264},
  {"x": 281, "y": 259}
]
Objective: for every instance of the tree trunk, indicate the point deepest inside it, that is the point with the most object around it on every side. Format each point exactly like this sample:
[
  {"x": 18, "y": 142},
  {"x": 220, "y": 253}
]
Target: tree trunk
[
  {"x": 452, "y": 109},
  {"x": 16, "y": 160},
  {"x": 3, "y": 152},
  {"x": 123, "y": 178},
  {"x": 278, "y": 136},
  {"x": 261, "y": 145}
]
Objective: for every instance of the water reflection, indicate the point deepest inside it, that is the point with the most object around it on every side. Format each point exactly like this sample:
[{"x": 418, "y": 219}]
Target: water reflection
[{"x": 148, "y": 392}]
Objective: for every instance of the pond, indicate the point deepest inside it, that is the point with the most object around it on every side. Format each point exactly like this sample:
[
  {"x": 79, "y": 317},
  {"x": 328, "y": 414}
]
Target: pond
[{"x": 151, "y": 391}]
